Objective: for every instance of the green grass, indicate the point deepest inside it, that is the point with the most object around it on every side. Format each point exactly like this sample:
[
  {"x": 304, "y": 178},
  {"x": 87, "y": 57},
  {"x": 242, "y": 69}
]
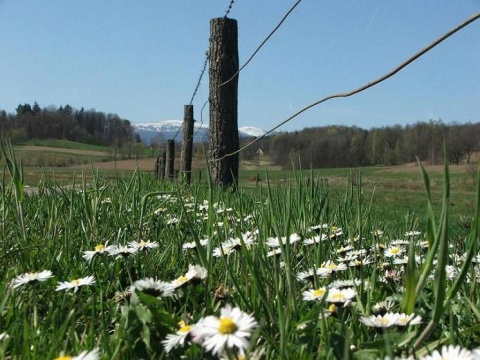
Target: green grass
[{"x": 52, "y": 228}]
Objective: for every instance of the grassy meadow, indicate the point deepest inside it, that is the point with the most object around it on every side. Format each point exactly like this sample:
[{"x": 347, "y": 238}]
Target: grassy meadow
[{"x": 370, "y": 263}]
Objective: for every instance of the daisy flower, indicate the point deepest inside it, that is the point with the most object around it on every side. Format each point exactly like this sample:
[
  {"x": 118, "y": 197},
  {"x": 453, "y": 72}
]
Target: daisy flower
[
  {"x": 341, "y": 296},
  {"x": 383, "y": 307},
  {"x": 380, "y": 321},
  {"x": 412, "y": 233},
  {"x": 194, "y": 272},
  {"x": 75, "y": 284},
  {"x": 275, "y": 241},
  {"x": 177, "y": 339},
  {"x": 153, "y": 287},
  {"x": 451, "y": 352},
  {"x": 404, "y": 319},
  {"x": 349, "y": 283},
  {"x": 394, "y": 251},
  {"x": 32, "y": 277},
  {"x": 328, "y": 267},
  {"x": 315, "y": 294},
  {"x": 335, "y": 232},
  {"x": 318, "y": 228},
  {"x": 193, "y": 244},
  {"x": 143, "y": 245},
  {"x": 121, "y": 251},
  {"x": 99, "y": 250},
  {"x": 230, "y": 330},
  {"x": 315, "y": 240},
  {"x": 306, "y": 275},
  {"x": 224, "y": 250},
  {"x": 84, "y": 355}
]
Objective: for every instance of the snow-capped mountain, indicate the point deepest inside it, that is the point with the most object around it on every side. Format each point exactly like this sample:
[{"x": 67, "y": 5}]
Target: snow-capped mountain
[{"x": 169, "y": 129}]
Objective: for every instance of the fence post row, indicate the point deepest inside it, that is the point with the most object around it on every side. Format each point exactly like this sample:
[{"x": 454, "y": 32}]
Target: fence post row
[
  {"x": 187, "y": 144},
  {"x": 223, "y": 97}
]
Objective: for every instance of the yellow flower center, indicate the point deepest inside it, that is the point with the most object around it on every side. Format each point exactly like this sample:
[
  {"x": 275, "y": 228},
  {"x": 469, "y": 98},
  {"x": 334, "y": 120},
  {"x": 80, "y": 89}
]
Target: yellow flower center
[
  {"x": 394, "y": 250},
  {"x": 384, "y": 321},
  {"x": 358, "y": 263},
  {"x": 338, "y": 297},
  {"x": 142, "y": 243},
  {"x": 63, "y": 358},
  {"x": 181, "y": 280},
  {"x": 227, "y": 326},
  {"x": 185, "y": 328},
  {"x": 319, "y": 292},
  {"x": 331, "y": 266},
  {"x": 99, "y": 247},
  {"x": 332, "y": 308},
  {"x": 75, "y": 282}
]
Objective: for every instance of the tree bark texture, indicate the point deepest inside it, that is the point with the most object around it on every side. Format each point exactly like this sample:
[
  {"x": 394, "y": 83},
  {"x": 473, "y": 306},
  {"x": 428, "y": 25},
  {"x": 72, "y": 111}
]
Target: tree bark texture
[{"x": 223, "y": 94}]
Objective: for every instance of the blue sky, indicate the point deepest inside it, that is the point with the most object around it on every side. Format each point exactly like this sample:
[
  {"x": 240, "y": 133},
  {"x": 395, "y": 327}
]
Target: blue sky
[{"x": 141, "y": 59}]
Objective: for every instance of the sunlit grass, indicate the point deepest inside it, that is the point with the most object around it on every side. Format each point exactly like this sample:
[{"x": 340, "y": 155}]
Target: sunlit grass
[{"x": 322, "y": 269}]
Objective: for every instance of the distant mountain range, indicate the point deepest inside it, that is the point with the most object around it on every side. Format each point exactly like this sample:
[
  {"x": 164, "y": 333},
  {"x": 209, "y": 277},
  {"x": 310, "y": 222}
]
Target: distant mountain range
[{"x": 169, "y": 129}]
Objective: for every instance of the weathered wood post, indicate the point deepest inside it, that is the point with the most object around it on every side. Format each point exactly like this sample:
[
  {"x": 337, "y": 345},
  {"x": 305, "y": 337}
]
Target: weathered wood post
[
  {"x": 223, "y": 94},
  {"x": 170, "y": 159},
  {"x": 161, "y": 166},
  {"x": 157, "y": 167},
  {"x": 187, "y": 144}
]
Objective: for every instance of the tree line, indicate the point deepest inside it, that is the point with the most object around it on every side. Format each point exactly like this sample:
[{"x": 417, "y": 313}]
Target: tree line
[
  {"x": 342, "y": 146},
  {"x": 65, "y": 122}
]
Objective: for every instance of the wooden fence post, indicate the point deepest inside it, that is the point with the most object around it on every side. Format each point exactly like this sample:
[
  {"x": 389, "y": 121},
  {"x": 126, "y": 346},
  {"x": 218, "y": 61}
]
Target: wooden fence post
[
  {"x": 187, "y": 144},
  {"x": 170, "y": 159},
  {"x": 223, "y": 96},
  {"x": 161, "y": 166}
]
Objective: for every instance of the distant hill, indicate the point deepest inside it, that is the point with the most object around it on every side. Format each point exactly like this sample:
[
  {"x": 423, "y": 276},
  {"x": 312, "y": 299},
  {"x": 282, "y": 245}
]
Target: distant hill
[{"x": 169, "y": 128}]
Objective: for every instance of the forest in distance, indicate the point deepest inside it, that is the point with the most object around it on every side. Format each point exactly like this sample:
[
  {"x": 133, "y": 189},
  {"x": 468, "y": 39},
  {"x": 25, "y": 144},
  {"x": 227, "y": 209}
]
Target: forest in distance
[
  {"x": 343, "y": 146},
  {"x": 330, "y": 146}
]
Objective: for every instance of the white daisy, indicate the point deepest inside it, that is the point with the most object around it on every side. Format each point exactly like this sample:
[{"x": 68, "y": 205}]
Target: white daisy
[
  {"x": 230, "y": 330},
  {"x": 383, "y": 307},
  {"x": 306, "y": 275},
  {"x": 316, "y": 239},
  {"x": 318, "y": 228},
  {"x": 224, "y": 250},
  {"x": 412, "y": 233},
  {"x": 275, "y": 251},
  {"x": 450, "y": 352},
  {"x": 341, "y": 296},
  {"x": 152, "y": 287},
  {"x": 275, "y": 241},
  {"x": 194, "y": 272},
  {"x": 84, "y": 355},
  {"x": 75, "y": 284},
  {"x": 143, "y": 245},
  {"x": 31, "y": 278},
  {"x": 177, "y": 339},
  {"x": 404, "y": 319},
  {"x": 380, "y": 321},
  {"x": 193, "y": 244},
  {"x": 121, "y": 251},
  {"x": 99, "y": 250},
  {"x": 329, "y": 267},
  {"x": 394, "y": 251},
  {"x": 315, "y": 294}
]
